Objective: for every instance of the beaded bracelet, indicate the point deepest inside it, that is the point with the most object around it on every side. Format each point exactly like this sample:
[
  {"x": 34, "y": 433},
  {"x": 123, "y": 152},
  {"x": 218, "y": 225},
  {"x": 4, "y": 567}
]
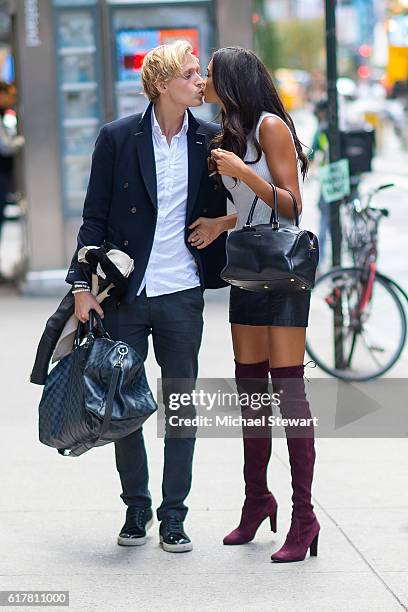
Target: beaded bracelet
[{"x": 83, "y": 290}]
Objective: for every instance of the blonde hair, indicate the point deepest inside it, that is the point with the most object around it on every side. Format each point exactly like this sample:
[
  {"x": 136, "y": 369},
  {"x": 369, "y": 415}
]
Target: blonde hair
[{"x": 162, "y": 64}]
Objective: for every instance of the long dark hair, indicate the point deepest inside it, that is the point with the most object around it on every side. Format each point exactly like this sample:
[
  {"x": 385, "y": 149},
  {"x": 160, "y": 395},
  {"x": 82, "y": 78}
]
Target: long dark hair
[{"x": 246, "y": 89}]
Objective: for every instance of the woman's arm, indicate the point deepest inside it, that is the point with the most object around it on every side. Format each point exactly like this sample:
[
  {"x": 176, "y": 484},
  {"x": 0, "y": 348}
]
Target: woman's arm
[{"x": 277, "y": 144}]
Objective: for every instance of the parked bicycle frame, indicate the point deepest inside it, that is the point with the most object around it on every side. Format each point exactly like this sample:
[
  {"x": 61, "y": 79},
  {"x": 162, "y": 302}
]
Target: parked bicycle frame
[{"x": 363, "y": 296}]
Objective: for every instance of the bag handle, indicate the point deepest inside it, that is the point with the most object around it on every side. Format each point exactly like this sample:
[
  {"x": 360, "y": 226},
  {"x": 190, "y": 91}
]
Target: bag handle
[
  {"x": 94, "y": 321},
  {"x": 295, "y": 206},
  {"x": 274, "y": 219}
]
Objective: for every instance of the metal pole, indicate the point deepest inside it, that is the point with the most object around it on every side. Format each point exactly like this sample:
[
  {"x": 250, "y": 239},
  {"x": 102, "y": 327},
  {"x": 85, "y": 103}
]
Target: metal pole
[{"x": 334, "y": 154}]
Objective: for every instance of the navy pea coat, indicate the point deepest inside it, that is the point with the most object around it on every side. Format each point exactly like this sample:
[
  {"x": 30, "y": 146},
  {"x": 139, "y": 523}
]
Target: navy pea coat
[{"x": 121, "y": 201}]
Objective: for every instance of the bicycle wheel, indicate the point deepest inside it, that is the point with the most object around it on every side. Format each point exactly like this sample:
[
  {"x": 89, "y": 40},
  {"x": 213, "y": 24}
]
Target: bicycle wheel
[{"x": 373, "y": 338}]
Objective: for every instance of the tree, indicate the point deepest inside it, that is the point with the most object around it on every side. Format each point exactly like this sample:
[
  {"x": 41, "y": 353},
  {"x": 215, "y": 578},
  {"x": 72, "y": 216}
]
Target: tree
[
  {"x": 268, "y": 44},
  {"x": 294, "y": 43},
  {"x": 303, "y": 43}
]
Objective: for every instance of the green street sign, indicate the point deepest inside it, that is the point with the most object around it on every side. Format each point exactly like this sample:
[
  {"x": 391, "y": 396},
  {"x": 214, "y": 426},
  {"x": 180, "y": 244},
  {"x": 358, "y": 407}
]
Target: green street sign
[{"x": 335, "y": 180}]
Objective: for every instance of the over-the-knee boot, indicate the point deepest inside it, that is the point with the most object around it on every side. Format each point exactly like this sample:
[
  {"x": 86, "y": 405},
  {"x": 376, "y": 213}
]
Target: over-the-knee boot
[
  {"x": 304, "y": 530},
  {"x": 259, "y": 502}
]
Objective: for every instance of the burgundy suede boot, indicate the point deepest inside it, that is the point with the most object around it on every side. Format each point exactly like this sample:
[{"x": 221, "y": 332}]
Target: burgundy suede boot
[
  {"x": 259, "y": 502},
  {"x": 304, "y": 530}
]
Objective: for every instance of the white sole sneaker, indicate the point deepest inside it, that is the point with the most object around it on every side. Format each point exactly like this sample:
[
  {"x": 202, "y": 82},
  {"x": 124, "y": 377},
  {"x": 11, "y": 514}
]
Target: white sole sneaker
[
  {"x": 176, "y": 548},
  {"x": 135, "y": 541}
]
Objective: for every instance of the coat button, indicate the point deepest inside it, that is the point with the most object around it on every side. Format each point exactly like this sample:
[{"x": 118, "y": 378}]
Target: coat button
[
  {"x": 204, "y": 210},
  {"x": 125, "y": 185},
  {"x": 125, "y": 242},
  {"x": 133, "y": 209}
]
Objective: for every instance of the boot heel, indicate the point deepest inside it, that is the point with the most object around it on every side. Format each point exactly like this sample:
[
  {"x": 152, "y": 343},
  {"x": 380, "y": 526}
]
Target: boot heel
[
  {"x": 273, "y": 521},
  {"x": 313, "y": 546}
]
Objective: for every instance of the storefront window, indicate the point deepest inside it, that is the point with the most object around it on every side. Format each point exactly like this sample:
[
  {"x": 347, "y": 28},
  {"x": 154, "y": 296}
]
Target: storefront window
[{"x": 139, "y": 28}]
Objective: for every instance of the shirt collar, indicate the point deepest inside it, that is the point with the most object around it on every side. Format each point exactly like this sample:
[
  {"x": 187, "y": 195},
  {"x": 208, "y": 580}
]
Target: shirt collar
[{"x": 156, "y": 126}]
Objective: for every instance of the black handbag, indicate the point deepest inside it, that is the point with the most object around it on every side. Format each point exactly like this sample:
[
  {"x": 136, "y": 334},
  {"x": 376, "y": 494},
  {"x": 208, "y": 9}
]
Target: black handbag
[
  {"x": 268, "y": 257},
  {"x": 95, "y": 395}
]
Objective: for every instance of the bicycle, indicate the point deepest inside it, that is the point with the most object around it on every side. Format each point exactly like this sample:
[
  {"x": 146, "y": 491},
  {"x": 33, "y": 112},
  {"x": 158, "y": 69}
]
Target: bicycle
[{"x": 359, "y": 296}]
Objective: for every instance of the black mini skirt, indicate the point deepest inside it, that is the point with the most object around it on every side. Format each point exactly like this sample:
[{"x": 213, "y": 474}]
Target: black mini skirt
[{"x": 269, "y": 308}]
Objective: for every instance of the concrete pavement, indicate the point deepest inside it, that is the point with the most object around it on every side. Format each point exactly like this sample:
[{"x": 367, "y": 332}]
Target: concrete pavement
[{"x": 60, "y": 516}]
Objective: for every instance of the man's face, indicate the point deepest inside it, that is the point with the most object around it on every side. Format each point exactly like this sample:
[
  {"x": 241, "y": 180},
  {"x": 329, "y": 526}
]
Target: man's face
[{"x": 187, "y": 89}]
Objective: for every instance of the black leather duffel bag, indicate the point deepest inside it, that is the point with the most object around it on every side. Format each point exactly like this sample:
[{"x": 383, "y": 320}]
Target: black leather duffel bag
[
  {"x": 95, "y": 395},
  {"x": 267, "y": 257}
]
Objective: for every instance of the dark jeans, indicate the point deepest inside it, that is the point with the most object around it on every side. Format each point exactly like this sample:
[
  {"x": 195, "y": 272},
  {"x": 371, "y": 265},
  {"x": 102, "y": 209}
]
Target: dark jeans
[{"x": 176, "y": 323}]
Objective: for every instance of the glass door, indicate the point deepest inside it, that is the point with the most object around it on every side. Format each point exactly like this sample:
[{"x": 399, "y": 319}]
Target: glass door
[{"x": 80, "y": 109}]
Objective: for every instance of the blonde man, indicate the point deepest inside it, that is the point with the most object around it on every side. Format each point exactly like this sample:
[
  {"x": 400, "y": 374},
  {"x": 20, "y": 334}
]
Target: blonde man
[{"x": 149, "y": 182}]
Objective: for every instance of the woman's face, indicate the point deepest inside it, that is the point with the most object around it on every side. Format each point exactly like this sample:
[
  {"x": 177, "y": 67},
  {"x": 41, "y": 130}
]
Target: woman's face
[{"x": 209, "y": 92}]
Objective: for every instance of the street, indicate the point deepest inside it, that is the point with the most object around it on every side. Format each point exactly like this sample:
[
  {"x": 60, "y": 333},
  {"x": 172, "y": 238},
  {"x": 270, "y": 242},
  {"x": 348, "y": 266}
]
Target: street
[{"x": 61, "y": 516}]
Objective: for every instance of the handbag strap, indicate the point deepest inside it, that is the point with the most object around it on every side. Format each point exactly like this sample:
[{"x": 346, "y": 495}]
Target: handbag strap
[
  {"x": 295, "y": 206},
  {"x": 109, "y": 401},
  {"x": 274, "y": 219},
  {"x": 117, "y": 368}
]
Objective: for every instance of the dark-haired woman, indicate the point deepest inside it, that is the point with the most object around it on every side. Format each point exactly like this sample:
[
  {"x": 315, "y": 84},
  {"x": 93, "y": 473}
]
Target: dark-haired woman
[{"x": 258, "y": 146}]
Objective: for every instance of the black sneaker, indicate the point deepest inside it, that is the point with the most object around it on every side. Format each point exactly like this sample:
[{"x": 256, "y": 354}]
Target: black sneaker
[
  {"x": 138, "y": 521},
  {"x": 173, "y": 537}
]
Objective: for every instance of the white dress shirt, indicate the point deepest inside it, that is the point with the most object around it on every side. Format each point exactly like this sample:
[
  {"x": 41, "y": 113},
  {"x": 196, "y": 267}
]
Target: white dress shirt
[{"x": 171, "y": 266}]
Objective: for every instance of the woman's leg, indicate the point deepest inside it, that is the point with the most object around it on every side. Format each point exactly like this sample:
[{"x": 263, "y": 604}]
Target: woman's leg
[
  {"x": 250, "y": 343},
  {"x": 251, "y": 374},
  {"x": 252, "y": 377},
  {"x": 287, "y": 346}
]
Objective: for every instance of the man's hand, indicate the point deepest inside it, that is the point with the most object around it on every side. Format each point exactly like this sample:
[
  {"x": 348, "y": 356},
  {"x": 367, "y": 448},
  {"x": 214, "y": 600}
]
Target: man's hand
[{"x": 84, "y": 302}]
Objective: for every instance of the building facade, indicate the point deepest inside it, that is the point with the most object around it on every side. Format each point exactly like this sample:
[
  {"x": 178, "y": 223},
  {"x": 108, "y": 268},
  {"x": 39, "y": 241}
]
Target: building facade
[{"x": 77, "y": 66}]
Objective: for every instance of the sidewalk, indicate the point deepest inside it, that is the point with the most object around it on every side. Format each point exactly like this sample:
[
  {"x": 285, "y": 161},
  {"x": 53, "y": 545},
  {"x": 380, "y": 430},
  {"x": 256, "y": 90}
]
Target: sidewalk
[{"x": 60, "y": 516}]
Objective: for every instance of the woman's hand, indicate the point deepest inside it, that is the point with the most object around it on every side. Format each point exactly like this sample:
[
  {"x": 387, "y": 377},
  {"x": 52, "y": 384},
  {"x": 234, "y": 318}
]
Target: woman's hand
[
  {"x": 228, "y": 164},
  {"x": 84, "y": 302},
  {"x": 205, "y": 231}
]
